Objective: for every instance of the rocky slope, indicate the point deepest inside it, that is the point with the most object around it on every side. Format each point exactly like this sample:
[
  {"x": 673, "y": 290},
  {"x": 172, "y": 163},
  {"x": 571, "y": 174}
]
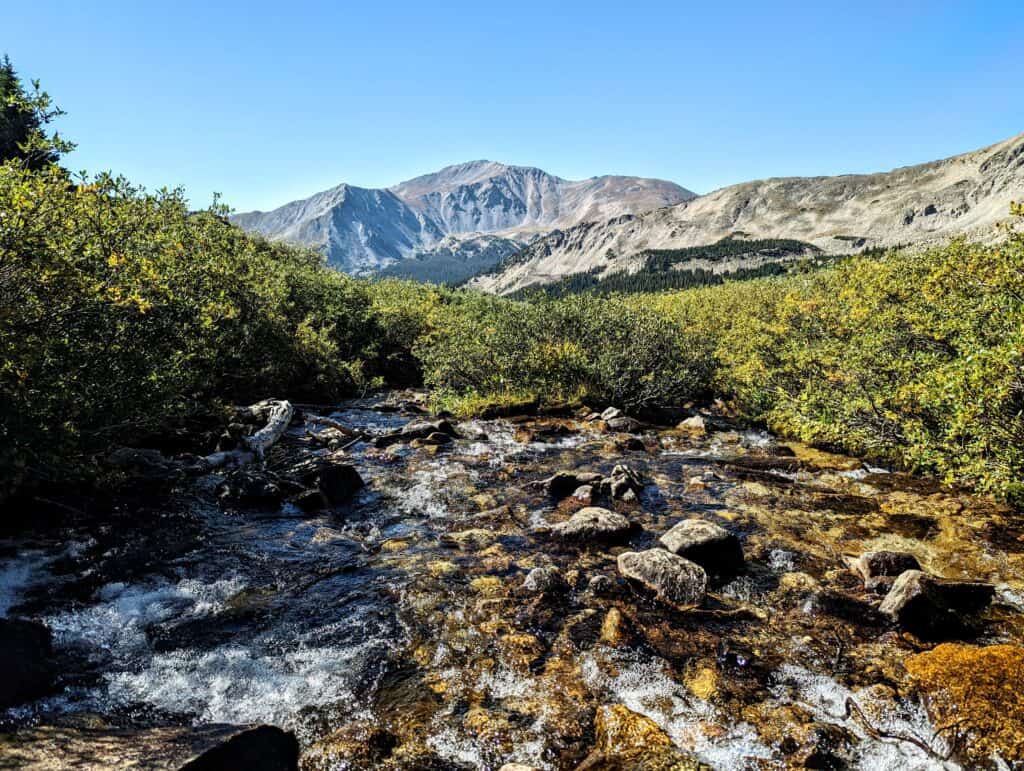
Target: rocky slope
[
  {"x": 911, "y": 205},
  {"x": 364, "y": 230}
]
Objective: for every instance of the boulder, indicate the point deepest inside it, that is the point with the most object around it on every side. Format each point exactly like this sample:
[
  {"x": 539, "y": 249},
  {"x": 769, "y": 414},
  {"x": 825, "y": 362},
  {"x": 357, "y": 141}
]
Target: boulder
[
  {"x": 624, "y": 425},
  {"x": 712, "y": 547},
  {"x": 566, "y": 483},
  {"x": 674, "y": 580},
  {"x": 545, "y": 580},
  {"x": 879, "y": 569},
  {"x": 622, "y": 480},
  {"x": 611, "y": 413},
  {"x": 934, "y": 608},
  {"x": 339, "y": 482},
  {"x": 417, "y": 429},
  {"x": 264, "y": 748},
  {"x": 26, "y": 661},
  {"x": 694, "y": 426},
  {"x": 593, "y": 523}
]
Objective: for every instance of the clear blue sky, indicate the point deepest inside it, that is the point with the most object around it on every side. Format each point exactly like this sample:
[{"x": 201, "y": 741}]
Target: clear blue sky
[{"x": 266, "y": 102}]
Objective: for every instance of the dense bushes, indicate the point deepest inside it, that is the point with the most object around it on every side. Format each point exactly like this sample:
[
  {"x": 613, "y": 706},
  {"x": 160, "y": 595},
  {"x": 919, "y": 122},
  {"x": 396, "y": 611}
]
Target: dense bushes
[
  {"x": 579, "y": 348},
  {"x": 914, "y": 358},
  {"x": 119, "y": 309}
]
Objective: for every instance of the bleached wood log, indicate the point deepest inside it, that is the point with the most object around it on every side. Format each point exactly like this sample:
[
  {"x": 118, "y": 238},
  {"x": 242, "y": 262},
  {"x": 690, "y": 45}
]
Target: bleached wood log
[
  {"x": 278, "y": 415},
  {"x": 277, "y": 423}
]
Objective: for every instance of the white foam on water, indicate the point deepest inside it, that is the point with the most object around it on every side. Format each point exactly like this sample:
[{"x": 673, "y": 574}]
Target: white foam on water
[
  {"x": 781, "y": 561},
  {"x": 20, "y": 573},
  {"x": 234, "y": 684},
  {"x": 1009, "y": 596},
  {"x": 826, "y": 699},
  {"x": 693, "y": 724},
  {"x": 117, "y": 622}
]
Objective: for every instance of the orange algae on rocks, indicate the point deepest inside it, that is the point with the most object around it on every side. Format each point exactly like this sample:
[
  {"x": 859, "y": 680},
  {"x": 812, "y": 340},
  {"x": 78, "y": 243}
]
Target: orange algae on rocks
[{"x": 975, "y": 694}]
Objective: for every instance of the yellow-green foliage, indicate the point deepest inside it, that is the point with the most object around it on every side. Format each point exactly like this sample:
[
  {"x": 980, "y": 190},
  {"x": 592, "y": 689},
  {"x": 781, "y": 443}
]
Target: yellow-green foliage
[
  {"x": 913, "y": 357},
  {"x": 119, "y": 309}
]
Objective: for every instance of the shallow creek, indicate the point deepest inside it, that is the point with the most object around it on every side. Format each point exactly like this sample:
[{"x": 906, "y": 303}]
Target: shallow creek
[{"x": 394, "y": 631}]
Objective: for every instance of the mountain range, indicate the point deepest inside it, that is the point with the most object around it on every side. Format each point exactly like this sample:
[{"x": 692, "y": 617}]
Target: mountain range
[
  {"x": 502, "y": 228},
  {"x": 913, "y": 205},
  {"x": 464, "y": 217}
]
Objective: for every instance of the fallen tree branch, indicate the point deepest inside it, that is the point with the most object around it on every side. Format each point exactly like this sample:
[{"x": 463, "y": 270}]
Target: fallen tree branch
[{"x": 280, "y": 416}]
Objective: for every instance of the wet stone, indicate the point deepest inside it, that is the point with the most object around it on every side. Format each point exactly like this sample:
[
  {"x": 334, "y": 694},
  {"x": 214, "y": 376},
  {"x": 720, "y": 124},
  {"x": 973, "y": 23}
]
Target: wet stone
[
  {"x": 545, "y": 580},
  {"x": 709, "y": 545},
  {"x": 624, "y": 425},
  {"x": 935, "y": 608},
  {"x": 593, "y": 523},
  {"x": 879, "y": 569},
  {"x": 566, "y": 483},
  {"x": 674, "y": 579}
]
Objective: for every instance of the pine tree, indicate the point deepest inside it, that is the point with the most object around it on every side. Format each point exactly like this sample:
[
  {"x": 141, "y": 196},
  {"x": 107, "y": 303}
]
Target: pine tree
[{"x": 23, "y": 117}]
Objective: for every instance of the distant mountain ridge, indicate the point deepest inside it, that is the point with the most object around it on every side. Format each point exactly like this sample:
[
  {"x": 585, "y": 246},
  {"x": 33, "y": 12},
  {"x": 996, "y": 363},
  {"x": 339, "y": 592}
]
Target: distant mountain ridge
[
  {"x": 967, "y": 193},
  {"x": 365, "y": 230}
]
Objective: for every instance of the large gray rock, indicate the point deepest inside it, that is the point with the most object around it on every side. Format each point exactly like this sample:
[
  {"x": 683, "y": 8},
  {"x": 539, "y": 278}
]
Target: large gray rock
[
  {"x": 934, "y": 608},
  {"x": 712, "y": 547},
  {"x": 593, "y": 523},
  {"x": 624, "y": 425},
  {"x": 674, "y": 579}
]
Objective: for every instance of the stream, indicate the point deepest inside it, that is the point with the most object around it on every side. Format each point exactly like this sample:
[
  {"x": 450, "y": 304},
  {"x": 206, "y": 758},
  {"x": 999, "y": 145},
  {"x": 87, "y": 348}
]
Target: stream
[{"x": 393, "y": 631}]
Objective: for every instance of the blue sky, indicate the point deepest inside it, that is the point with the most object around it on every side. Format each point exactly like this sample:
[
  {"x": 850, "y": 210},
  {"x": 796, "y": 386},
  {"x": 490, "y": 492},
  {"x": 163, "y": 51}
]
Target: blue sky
[{"x": 267, "y": 102}]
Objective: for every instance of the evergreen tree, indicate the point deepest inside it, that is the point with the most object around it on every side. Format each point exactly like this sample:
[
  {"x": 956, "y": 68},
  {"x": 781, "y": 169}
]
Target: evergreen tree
[{"x": 24, "y": 114}]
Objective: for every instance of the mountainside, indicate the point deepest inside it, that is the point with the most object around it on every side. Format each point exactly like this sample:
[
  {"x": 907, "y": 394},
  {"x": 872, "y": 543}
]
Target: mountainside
[
  {"x": 363, "y": 230},
  {"x": 916, "y": 204}
]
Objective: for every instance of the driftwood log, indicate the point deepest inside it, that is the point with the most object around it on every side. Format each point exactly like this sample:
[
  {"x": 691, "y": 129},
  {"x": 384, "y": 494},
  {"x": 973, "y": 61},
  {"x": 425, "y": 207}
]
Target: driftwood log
[{"x": 277, "y": 413}]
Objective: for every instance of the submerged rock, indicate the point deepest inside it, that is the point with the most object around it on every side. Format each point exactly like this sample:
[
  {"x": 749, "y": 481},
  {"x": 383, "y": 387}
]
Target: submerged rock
[
  {"x": 712, "y": 547},
  {"x": 674, "y": 579},
  {"x": 934, "y": 608},
  {"x": 265, "y": 748},
  {"x": 629, "y": 740},
  {"x": 593, "y": 523},
  {"x": 26, "y": 661},
  {"x": 975, "y": 695}
]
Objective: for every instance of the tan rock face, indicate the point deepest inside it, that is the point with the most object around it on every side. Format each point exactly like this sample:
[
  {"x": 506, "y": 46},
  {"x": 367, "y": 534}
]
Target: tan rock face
[
  {"x": 975, "y": 694},
  {"x": 626, "y": 739}
]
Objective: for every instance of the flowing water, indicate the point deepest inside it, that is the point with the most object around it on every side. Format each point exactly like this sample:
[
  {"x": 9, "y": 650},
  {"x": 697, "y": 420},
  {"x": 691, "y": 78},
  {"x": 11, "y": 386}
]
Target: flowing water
[{"x": 393, "y": 630}]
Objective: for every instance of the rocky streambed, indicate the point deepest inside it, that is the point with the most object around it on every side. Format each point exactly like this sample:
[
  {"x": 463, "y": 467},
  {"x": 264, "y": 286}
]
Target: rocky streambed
[{"x": 556, "y": 592}]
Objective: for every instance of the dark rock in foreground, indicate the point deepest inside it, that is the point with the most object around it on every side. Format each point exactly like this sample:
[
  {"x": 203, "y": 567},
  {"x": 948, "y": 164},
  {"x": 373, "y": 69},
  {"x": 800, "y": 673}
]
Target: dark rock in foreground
[
  {"x": 674, "y": 580},
  {"x": 26, "y": 661},
  {"x": 266, "y": 748},
  {"x": 934, "y": 608}
]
